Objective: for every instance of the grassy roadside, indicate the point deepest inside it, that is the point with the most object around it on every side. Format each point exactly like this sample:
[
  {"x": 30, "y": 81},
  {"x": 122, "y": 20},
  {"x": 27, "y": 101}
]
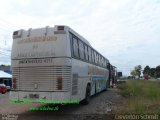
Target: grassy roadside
[{"x": 141, "y": 97}]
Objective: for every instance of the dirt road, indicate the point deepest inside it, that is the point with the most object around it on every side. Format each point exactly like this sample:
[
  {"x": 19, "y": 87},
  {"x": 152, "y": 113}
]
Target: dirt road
[{"x": 100, "y": 105}]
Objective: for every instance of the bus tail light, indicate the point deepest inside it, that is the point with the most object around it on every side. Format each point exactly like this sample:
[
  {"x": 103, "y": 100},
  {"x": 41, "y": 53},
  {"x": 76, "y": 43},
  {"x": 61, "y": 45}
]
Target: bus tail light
[
  {"x": 14, "y": 80},
  {"x": 60, "y": 28},
  {"x": 17, "y": 34},
  {"x": 59, "y": 83}
]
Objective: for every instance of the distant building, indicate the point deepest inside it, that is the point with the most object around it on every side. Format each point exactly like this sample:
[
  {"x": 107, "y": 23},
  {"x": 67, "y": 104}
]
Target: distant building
[{"x": 6, "y": 69}]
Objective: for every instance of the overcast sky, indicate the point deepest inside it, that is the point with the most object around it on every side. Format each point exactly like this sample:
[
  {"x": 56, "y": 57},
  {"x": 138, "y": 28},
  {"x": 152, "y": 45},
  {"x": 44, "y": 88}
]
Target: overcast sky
[{"x": 127, "y": 32}]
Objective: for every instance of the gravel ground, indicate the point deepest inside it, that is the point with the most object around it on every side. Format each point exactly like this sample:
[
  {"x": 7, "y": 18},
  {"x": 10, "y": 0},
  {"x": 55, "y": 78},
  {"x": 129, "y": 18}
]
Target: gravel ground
[
  {"x": 100, "y": 106},
  {"x": 9, "y": 108}
]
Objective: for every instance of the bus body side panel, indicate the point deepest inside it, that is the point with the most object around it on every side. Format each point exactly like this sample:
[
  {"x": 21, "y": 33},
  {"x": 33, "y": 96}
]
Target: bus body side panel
[
  {"x": 84, "y": 73},
  {"x": 80, "y": 79},
  {"x": 99, "y": 78}
]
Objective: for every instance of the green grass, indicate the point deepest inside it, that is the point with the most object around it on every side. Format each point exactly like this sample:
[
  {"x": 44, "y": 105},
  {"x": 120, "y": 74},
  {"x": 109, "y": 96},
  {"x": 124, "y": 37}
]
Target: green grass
[{"x": 141, "y": 96}]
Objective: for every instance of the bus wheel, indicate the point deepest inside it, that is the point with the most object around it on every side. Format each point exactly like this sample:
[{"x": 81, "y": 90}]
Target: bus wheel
[{"x": 87, "y": 96}]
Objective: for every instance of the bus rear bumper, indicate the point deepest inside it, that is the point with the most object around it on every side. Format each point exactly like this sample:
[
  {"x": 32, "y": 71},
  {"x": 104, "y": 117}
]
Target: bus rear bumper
[{"x": 39, "y": 97}]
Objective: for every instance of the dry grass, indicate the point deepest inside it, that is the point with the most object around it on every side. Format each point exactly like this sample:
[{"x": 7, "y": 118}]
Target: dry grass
[{"x": 142, "y": 97}]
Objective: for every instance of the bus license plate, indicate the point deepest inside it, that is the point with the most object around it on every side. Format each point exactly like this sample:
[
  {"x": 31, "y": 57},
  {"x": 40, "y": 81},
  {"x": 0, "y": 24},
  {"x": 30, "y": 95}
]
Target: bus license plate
[{"x": 33, "y": 95}]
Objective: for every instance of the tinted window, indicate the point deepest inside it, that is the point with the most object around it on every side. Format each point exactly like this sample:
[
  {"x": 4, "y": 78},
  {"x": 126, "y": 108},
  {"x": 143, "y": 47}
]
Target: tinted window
[
  {"x": 75, "y": 47},
  {"x": 105, "y": 63},
  {"x": 86, "y": 52},
  {"x": 108, "y": 65},
  {"x": 95, "y": 56},
  {"x": 89, "y": 53},
  {"x": 92, "y": 56},
  {"x": 81, "y": 50},
  {"x": 102, "y": 61}
]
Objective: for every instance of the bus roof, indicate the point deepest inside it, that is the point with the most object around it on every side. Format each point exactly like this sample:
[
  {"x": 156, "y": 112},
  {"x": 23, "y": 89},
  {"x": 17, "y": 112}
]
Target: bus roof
[{"x": 46, "y": 29}]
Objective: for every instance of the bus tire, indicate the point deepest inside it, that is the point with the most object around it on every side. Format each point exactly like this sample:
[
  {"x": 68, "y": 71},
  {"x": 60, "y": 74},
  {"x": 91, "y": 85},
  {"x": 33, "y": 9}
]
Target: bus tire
[{"x": 87, "y": 95}]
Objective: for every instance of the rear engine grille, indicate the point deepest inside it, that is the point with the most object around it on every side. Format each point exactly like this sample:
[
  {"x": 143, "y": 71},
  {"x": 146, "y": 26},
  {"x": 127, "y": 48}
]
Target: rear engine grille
[{"x": 43, "y": 78}]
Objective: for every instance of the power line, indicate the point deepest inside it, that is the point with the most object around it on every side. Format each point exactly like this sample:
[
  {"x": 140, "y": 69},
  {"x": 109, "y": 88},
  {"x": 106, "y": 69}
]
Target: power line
[{"x": 5, "y": 21}]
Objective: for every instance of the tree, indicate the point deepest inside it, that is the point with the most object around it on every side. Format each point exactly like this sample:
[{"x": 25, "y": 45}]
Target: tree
[
  {"x": 133, "y": 73},
  {"x": 147, "y": 70},
  {"x": 2, "y": 65},
  {"x": 138, "y": 69},
  {"x": 153, "y": 72},
  {"x": 157, "y": 70}
]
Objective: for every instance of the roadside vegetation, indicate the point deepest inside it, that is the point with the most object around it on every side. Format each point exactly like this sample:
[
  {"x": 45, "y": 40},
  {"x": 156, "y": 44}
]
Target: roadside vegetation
[{"x": 141, "y": 97}]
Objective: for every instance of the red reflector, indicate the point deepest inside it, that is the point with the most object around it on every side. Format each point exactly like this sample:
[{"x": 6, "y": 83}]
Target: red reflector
[
  {"x": 59, "y": 83},
  {"x": 60, "y": 28},
  {"x": 14, "y": 80},
  {"x": 14, "y": 83}
]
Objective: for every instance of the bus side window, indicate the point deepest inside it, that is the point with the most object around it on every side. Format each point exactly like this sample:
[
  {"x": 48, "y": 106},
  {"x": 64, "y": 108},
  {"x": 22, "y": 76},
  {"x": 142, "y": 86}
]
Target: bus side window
[
  {"x": 75, "y": 47},
  {"x": 86, "y": 52},
  {"x": 89, "y": 53},
  {"x": 96, "y": 57},
  {"x": 101, "y": 61},
  {"x": 108, "y": 65},
  {"x": 93, "y": 56},
  {"x": 71, "y": 37},
  {"x": 81, "y": 50},
  {"x": 104, "y": 62}
]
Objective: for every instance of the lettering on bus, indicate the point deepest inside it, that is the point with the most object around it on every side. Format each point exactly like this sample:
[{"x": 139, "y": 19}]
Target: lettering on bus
[
  {"x": 37, "y": 39},
  {"x": 28, "y": 61},
  {"x": 35, "y": 54}
]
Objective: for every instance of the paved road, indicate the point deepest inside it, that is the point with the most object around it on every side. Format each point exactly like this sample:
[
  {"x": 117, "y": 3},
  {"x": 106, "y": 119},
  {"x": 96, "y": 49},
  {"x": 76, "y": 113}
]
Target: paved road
[{"x": 100, "y": 105}]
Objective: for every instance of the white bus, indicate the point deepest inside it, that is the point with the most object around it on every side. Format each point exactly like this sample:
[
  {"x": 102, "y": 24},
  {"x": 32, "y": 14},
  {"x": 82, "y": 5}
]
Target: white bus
[{"x": 57, "y": 64}]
